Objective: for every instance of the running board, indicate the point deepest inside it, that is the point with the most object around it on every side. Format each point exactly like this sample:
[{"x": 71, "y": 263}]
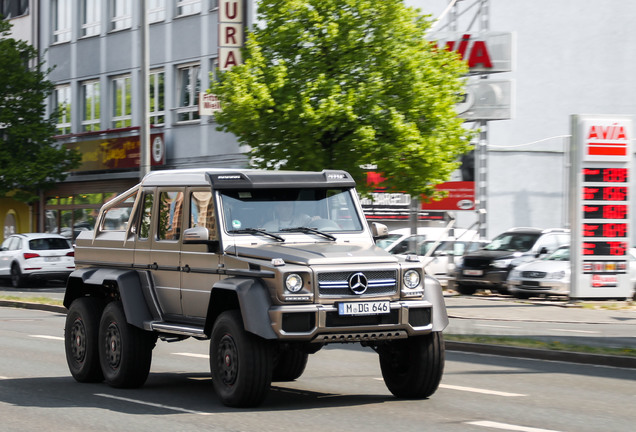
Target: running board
[{"x": 178, "y": 329}]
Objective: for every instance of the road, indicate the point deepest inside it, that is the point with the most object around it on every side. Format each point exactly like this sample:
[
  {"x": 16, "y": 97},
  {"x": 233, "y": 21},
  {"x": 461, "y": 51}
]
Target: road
[{"x": 341, "y": 390}]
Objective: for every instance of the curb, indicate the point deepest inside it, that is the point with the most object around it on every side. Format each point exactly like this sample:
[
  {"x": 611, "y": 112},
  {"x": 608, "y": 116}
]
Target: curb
[
  {"x": 539, "y": 354},
  {"x": 501, "y": 350}
]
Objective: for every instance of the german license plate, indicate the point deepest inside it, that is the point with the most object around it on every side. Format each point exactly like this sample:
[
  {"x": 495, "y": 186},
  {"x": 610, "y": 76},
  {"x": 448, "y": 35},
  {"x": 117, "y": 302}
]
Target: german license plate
[
  {"x": 51, "y": 259},
  {"x": 474, "y": 272},
  {"x": 364, "y": 308}
]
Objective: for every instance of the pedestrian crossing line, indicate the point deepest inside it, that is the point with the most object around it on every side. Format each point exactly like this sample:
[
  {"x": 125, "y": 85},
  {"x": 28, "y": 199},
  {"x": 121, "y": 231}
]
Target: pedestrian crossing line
[
  {"x": 482, "y": 391},
  {"x": 508, "y": 427}
]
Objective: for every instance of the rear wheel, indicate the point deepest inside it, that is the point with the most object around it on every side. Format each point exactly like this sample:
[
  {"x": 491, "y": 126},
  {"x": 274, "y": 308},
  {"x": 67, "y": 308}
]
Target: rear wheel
[
  {"x": 125, "y": 351},
  {"x": 412, "y": 368},
  {"x": 80, "y": 339},
  {"x": 17, "y": 279},
  {"x": 289, "y": 364},
  {"x": 240, "y": 362}
]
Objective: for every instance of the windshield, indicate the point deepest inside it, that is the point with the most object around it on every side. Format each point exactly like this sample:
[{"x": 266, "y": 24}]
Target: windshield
[
  {"x": 388, "y": 240},
  {"x": 561, "y": 254},
  {"x": 279, "y": 210},
  {"x": 519, "y": 242}
]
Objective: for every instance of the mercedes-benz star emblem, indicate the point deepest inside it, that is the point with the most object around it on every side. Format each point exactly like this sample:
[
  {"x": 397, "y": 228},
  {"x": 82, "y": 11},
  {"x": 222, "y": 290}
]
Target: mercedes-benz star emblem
[{"x": 358, "y": 283}]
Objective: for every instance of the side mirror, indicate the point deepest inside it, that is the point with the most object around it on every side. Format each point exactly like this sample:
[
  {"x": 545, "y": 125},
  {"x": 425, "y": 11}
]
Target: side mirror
[
  {"x": 543, "y": 251},
  {"x": 200, "y": 235},
  {"x": 378, "y": 230}
]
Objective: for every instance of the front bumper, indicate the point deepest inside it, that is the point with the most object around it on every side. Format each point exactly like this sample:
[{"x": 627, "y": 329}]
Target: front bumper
[
  {"x": 491, "y": 277},
  {"x": 552, "y": 287},
  {"x": 320, "y": 323}
]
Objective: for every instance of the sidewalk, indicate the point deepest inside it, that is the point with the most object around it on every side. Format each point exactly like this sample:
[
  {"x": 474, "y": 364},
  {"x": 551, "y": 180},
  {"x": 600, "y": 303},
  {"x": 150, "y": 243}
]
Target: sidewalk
[{"x": 550, "y": 320}]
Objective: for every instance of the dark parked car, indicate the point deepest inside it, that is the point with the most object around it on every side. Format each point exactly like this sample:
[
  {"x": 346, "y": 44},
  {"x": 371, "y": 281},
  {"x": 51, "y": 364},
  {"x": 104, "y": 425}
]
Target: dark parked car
[{"x": 489, "y": 267}]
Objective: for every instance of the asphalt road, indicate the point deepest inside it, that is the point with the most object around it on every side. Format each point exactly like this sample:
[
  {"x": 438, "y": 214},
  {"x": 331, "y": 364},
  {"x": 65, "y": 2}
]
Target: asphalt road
[{"x": 342, "y": 390}]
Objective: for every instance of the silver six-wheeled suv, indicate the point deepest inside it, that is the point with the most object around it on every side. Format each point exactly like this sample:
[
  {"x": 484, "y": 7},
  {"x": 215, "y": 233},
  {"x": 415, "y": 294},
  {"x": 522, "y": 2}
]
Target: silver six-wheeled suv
[{"x": 268, "y": 265}]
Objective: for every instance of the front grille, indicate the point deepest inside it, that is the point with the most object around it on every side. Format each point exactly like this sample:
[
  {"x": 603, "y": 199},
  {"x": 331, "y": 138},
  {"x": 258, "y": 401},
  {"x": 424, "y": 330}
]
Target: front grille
[
  {"x": 336, "y": 284},
  {"x": 476, "y": 263},
  {"x": 533, "y": 274}
]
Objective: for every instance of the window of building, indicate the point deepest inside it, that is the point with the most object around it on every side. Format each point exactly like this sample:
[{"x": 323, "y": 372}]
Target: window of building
[
  {"x": 91, "y": 17},
  {"x": 157, "y": 98},
  {"x": 156, "y": 10},
  {"x": 91, "y": 106},
  {"x": 188, "y": 7},
  {"x": 188, "y": 87},
  {"x": 62, "y": 103},
  {"x": 61, "y": 20},
  {"x": 121, "y": 101},
  {"x": 121, "y": 14},
  {"x": 170, "y": 209},
  {"x": 13, "y": 8}
]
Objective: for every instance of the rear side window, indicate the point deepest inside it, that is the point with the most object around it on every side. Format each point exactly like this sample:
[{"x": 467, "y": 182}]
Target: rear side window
[{"x": 48, "y": 244}]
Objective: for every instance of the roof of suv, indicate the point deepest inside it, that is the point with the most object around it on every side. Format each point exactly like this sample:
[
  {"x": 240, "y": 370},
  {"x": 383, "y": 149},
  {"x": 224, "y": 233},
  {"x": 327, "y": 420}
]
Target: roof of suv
[
  {"x": 30, "y": 236},
  {"x": 530, "y": 230}
]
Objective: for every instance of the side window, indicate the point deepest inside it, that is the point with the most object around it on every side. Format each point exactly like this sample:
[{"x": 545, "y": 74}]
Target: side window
[
  {"x": 16, "y": 244},
  {"x": 202, "y": 212},
  {"x": 146, "y": 212},
  {"x": 116, "y": 217},
  {"x": 170, "y": 209}
]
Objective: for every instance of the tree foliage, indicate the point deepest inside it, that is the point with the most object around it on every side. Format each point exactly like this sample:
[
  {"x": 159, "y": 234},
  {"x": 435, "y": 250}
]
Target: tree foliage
[
  {"x": 29, "y": 158},
  {"x": 345, "y": 84}
]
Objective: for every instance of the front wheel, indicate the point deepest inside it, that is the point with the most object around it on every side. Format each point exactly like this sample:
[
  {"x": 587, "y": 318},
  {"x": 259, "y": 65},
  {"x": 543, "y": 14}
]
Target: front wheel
[
  {"x": 240, "y": 362},
  {"x": 125, "y": 351},
  {"x": 466, "y": 289},
  {"x": 412, "y": 368},
  {"x": 80, "y": 339}
]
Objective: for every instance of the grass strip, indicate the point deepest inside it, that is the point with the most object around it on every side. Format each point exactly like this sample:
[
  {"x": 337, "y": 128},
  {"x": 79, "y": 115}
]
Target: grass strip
[
  {"x": 539, "y": 344},
  {"x": 37, "y": 300}
]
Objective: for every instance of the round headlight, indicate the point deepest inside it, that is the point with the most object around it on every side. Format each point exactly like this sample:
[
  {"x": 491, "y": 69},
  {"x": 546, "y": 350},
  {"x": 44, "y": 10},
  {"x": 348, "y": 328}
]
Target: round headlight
[
  {"x": 293, "y": 282},
  {"x": 411, "y": 279}
]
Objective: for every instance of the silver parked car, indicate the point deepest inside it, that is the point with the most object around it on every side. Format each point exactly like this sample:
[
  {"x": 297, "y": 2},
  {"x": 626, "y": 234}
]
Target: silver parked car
[
  {"x": 551, "y": 275},
  {"x": 24, "y": 257}
]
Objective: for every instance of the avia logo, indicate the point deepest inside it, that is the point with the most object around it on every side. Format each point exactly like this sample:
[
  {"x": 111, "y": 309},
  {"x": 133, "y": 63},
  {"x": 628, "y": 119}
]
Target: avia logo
[
  {"x": 476, "y": 52},
  {"x": 611, "y": 132}
]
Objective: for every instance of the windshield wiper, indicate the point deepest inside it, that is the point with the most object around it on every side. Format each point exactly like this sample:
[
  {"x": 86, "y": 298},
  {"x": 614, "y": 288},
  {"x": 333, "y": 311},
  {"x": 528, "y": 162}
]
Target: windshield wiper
[
  {"x": 310, "y": 230},
  {"x": 257, "y": 231}
]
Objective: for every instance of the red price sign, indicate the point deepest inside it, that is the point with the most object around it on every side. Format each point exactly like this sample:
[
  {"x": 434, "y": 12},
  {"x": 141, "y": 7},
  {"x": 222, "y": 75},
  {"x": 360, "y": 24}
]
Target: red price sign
[
  {"x": 606, "y": 175},
  {"x": 605, "y": 193},
  {"x": 614, "y": 248},
  {"x": 605, "y": 211},
  {"x": 605, "y": 230}
]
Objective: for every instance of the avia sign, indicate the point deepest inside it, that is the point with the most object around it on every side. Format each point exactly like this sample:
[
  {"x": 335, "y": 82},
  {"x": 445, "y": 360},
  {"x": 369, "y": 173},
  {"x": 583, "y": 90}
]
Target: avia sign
[
  {"x": 231, "y": 33},
  {"x": 488, "y": 52}
]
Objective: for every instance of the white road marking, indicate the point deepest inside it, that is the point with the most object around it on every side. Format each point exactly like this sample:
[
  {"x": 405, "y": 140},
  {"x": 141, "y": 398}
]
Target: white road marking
[
  {"x": 505, "y": 426},
  {"x": 47, "y": 337},
  {"x": 495, "y": 326},
  {"x": 205, "y": 356},
  {"x": 482, "y": 391},
  {"x": 577, "y": 331},
  {"x": 156, "y": 405}
]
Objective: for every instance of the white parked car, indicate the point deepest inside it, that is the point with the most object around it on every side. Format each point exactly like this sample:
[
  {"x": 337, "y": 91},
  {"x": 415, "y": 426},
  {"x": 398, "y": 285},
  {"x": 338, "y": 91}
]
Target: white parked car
[
  {"x": 36, "y": 256},
  {"x": 551, "y": 275}
]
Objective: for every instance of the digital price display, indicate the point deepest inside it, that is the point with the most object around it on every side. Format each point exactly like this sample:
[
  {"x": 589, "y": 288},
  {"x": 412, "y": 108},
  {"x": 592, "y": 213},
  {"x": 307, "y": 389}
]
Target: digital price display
[
  {"x": 606, "y": 175},
  {"x": 605, "y": 193},
  {"x": 591, "y": 211},
  {"x": 600, "y": 160},
  {"x": 605, "y": 230},
  {"x": 605, "y": 248}
]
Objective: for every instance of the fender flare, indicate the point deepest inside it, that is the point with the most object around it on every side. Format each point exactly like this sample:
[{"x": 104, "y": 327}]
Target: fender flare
[
  {"x": 83, "y": 282},
  {"x": 254, "y": 301}
]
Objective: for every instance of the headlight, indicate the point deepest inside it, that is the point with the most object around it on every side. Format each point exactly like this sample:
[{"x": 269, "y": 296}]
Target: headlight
[
  {"x": 293, "y": 282},
  {"x": 411, "y": 279},
  {"x": 503, "y": 263},
  {"x": 556, "y": 275},
  {"x": 515, "y": 273}
]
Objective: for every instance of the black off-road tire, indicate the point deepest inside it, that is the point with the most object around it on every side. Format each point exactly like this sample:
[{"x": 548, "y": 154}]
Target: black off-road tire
[
  {"x": 289, "y": 364},
  {"x": 412, "y": 368},
  {"x": 465, "y": 289},
  {"x": 125, "y": 351},
  {"x": 81, "y": 339},
  {"x": 241, "y": 363}
]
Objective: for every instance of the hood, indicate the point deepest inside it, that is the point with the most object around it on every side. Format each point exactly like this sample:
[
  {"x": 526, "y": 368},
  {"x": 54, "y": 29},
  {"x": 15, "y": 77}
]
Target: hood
[
  {"x": 496, "y": 254},
  {"x": 315, "y": 253},
  {"x": 548, "y": 266}
]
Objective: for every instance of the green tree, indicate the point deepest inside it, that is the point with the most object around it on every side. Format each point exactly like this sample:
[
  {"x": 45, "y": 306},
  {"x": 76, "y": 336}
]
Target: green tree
[
  {"x": 343, "y": 84},
  {"x": 29, "y": 158}
]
